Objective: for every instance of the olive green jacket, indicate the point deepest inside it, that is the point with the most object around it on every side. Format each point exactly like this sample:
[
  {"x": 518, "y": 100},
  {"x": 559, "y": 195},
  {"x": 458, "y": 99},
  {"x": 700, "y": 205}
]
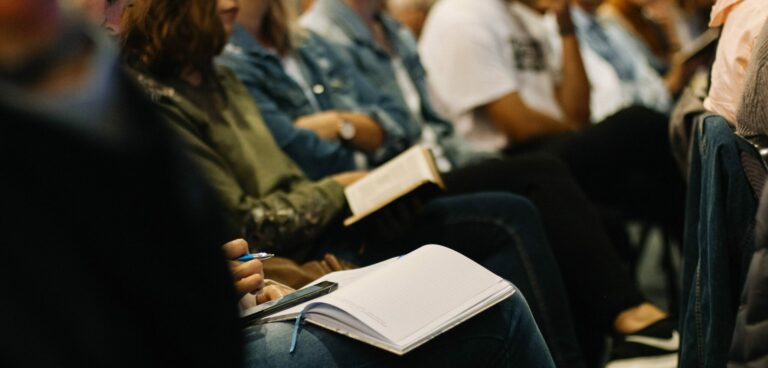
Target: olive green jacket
[{"x": 266, "y": 195}]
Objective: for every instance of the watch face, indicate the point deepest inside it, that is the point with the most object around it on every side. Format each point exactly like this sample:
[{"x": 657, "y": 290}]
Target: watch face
[{"x": 347, "y": 131}]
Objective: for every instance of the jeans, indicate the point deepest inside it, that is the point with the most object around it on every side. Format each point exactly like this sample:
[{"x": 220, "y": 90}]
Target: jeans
[
  {"x": 505, "y": 335},
  {"x": 624, "y": 162},
  {"x": 502, "y": 232},
  {"x": 599, "y": 286},
  {"x": 719, "y": 241}
]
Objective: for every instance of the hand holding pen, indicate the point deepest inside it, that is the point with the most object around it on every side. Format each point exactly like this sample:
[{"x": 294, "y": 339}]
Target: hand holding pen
[
  {"x": 246, "y": 268},
  {"x": 261, "y": 256}
]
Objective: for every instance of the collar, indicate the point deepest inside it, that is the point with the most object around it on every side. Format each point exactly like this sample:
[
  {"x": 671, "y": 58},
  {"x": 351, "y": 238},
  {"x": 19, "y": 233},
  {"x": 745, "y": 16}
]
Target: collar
[
  {"x": 581, "y": 18},
  {"x": 347, "y": 19},
  {"x": 720, "y": 11}
]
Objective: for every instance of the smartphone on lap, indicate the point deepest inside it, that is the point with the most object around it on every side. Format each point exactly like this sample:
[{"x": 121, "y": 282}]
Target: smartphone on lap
[{"x": 300, "y": 296}]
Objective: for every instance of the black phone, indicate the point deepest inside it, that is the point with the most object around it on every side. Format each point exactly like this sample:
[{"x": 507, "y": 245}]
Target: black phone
[{"x": 300, "y": 296}]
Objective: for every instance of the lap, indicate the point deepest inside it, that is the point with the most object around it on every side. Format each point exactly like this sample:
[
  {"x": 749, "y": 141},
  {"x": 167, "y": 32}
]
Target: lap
[{"x": 504, "y": 335}]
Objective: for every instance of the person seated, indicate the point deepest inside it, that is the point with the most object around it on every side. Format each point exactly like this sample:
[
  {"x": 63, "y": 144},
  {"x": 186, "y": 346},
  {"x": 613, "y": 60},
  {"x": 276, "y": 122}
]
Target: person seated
[
  {"x": 168, "y": 299},
  {"x": 659, "y": 27},
  {"x": 619, "y": 74},
  {"x": 505, "y": 335},
  {"x": 343, "y": 23},
  {"x": 320, "y": 113},
  {"x": 110, "y": 245},
  {"x": 741, "y": 22},
  {"x": 265, "y": 193},
  {"x": 521, "y": 98}
]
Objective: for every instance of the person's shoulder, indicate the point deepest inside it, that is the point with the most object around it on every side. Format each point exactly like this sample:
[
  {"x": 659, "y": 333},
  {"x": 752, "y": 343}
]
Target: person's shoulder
[
  {"x": 311, "y": 39},
  {"x": 157, "y": 91},
  {"x": 325, "y": 27},
  {"x": 750, "y": 14},
  {"x": 234, "y": 53},
  {"x": 229, "y": 81},
  {"x": 462, "y": 11},
  {"x": 462, "y": 21}
]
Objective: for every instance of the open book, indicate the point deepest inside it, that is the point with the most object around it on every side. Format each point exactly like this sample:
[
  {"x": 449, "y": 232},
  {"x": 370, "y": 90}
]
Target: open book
[
  {"x": 401, "y": 303},
  {"x": 401, "y": 175}
]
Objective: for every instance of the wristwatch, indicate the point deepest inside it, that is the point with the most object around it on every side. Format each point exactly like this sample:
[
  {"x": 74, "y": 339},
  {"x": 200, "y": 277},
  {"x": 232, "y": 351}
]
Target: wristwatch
[{"x": 347, "y": 131}]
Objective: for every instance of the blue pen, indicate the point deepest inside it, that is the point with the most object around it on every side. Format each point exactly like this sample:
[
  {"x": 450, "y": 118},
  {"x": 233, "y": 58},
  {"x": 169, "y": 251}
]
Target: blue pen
[{"x": 261, "y": 256}]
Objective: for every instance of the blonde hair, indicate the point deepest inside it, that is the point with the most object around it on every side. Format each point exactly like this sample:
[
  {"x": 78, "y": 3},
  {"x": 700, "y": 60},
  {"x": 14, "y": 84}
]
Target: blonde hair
[{"x": 421, "y": 5}]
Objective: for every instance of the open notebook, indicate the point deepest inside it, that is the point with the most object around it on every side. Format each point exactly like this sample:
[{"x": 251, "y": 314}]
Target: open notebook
[
  {"x": 400, "y": 176},
  {"x": 401, "y": 303}
]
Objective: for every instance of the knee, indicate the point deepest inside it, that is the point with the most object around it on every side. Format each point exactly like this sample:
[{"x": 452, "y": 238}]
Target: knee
[
  {"x": 549, "y": 164},
  {"x": 504, "y": 205}
]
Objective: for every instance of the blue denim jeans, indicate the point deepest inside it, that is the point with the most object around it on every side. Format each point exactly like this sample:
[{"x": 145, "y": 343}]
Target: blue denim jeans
[
  {"x": 502, "y": 232},
  {"x": 718, "y": 243},
  {"x": 503, "y": 336}
]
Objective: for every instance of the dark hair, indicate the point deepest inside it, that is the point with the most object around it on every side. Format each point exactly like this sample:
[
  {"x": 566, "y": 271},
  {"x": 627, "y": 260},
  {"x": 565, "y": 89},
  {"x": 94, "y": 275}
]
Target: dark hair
[{"x": 162, "y": 37}]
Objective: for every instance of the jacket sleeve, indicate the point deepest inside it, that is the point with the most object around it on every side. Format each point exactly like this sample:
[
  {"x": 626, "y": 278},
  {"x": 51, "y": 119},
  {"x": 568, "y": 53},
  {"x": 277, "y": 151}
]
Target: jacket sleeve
[
  {"x": 400, "y": 130},
  {"x": 317, "y": 157},
  {"x": 390, "y": 115},
  {"x": 282, "y": 220}
]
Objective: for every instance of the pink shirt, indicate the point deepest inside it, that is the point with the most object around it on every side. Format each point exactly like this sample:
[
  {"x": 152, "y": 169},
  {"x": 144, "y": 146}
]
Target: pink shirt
[{"x": 743, "y": 20}]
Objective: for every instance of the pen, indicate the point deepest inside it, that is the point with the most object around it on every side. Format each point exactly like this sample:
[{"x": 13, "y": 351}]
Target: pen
[{"x": 261, "y": 256}]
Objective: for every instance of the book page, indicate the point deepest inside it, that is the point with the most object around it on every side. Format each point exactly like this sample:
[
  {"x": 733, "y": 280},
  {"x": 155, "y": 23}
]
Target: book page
[
  {"x": 390, "y": 181},
  {"x": 429, "y": 284},
  {"x": 343, "y": 278}
]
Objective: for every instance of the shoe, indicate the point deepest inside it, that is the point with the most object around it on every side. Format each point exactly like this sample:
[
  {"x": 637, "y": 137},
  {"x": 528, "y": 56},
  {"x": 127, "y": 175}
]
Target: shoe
[{"x": 654, "y": 346}]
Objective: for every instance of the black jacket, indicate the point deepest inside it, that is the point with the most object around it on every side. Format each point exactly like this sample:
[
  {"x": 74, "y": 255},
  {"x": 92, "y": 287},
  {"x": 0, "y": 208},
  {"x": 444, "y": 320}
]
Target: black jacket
[
  {"x": 750, "y": 339},
  {"x": 110, "y": 250}
]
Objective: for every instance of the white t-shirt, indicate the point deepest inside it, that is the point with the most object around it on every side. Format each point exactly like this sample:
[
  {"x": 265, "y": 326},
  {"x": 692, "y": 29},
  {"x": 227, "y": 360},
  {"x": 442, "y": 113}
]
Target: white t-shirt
[
  {"x": 477, "y": 51},
  {"x": 413, "y": 100}
]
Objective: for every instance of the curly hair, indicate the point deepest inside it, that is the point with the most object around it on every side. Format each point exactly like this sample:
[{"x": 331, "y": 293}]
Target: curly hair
[{"x": 162, "y": 37}]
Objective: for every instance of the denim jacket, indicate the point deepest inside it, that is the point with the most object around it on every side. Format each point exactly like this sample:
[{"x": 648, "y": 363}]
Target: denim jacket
[
  {"x": 718, "y": 242},
  {"x": 339, "y": 24},
  {"x": 335, "y": 87}
]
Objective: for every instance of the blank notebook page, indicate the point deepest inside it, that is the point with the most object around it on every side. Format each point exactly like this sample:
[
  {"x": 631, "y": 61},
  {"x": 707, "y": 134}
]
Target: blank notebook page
[{"x": 422, "y": 303}]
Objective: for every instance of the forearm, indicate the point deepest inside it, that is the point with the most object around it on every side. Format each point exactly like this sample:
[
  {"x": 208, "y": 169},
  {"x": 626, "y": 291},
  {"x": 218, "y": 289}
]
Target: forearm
[
  {"x": 316, "y": 156},
  {"x": 369, "y": 135},
  {"x": 542, "y": 126},
  {"x": 573, "y": 91},
  {"x": 282, "y": 221},
  {"x": 519, "y": 123}
]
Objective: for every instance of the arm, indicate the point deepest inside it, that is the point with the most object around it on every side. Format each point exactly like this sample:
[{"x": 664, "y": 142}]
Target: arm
[
  {"x": 519, "y": 123},
  {"x": 353, "y": 92},
  {"x": 512, "y": 116},
  {"x": 573, "y": 91},
  {"x": 317, "y": 157},
  {"x": 281, "y": 220},
  {"x": 368, "y": 137}
]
